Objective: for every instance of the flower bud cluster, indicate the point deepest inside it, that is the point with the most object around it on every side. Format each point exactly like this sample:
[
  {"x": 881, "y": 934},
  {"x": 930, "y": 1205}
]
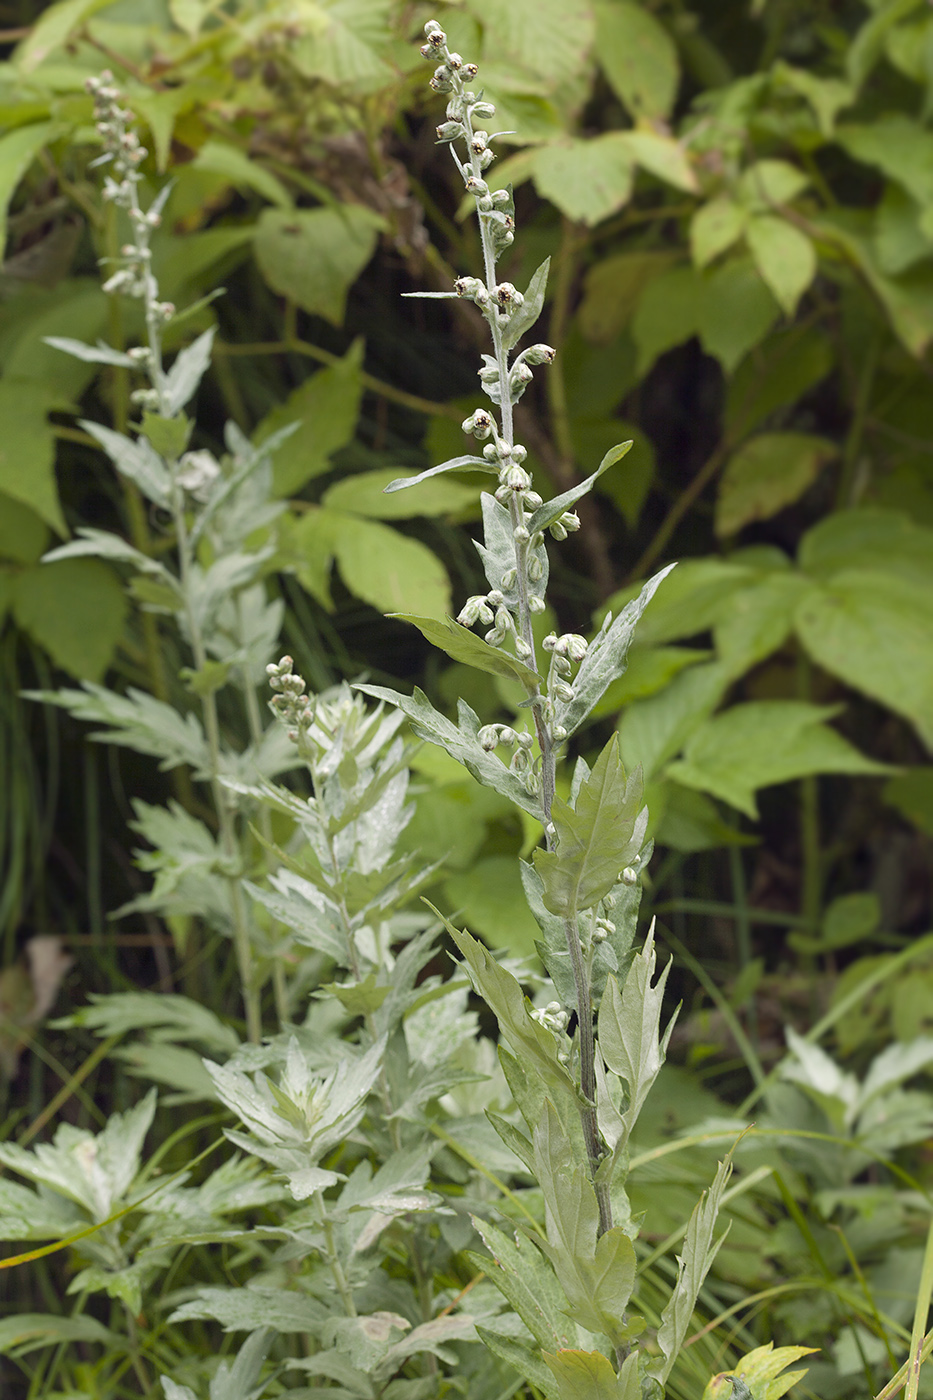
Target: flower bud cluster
[
  {"x": 492, "y": 735},
  {"x": 197, "y": 473},
  {"x": 553, "y": 1016},
  {"x": 290, "y": 705}
]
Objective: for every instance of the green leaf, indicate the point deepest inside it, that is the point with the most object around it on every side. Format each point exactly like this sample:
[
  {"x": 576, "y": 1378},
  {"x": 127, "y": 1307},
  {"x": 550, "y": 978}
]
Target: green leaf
[
  {"x": 780, "y": 371},
  {"x": 662, "y": 156},
  {"x": 668, "y": 313},
  {"x": 588, "y": 1375},
  {"x": 596, "y": 1274},
  {"x": 326, "y": 406},
  {"x": 455, "y": 464},
  {"x": 521, "y": 1275},
  {"x": 365, "y": 493},
  {"x": 757, "y": 619},
  {"x": 692, "y": 1267},
  {"x": 91, "y": 354},
  {"x": 498, "y": 552},
  {"x": 898, "y": 146},
  {"x": 520, "y": 1357},
  {"x": 653, "y": 730},
  {"x": 489, "y": 897},
  {"x": 767, "y": 473},
  {"x": 169, "y": 436},
  {"x": 735, "y": 312},
  {"x": 29, "y": 1331},
  {"x": 527, "y": 314},
  {"x": 390, "y": 571},
  {"x": 346, "y": 45},
  {"x": 242, "y": 1309},
  {"x": 312, "y": 256},
  {"x": 638, "y": 57},
  {"x": 186, "y": 373},
  {"x": 137, "y": 721},
  {"x": 769, "y": 182},
  {"x": 137, "y": 460},
  {"x": 759, "y": 1371},
  {"x": 868, "y": 45},
  {"x": 784, "y": 256},
  {"x": 764, "y": 742},
  {"x": 27, "y": 452},
  {"x": 912, "y": 794},
  {"x": 613, "y": 288},
  {"x": 850, "y": 918},
  {"x": 174, "y": 1017},
  {"x": 875, "y": 631},
  {"x": 596, "y": 838},
  {"x": 222, "y": 158},
  {"x": 552, "y": 510},
  {"x": 714, "y": 228},
  {"x": 585, "y": 179},
  {"x": 463, "y": 645},
  {"x": 552, "y": 38},
  {"x": 605, "y": 658},
  {"x": 460, "y": 741},
  {"x": 75, "y": 609},
  {"x": 883, "y": 541},
  {"x": 54, "y": 29},
  {"x": 24, "y": 535},
  {"x": 18, "y": 149},
  {"x": 630, "y": 1039}
]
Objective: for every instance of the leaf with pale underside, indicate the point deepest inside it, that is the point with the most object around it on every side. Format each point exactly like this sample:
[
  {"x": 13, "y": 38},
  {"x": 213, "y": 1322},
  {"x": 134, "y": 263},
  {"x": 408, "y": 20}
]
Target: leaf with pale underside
[
  {"x": 455, "y": 464},
  {"x": 553, "y": 510},
  {"x": 463, "y": 645},
  {"x": 629, "y": 1032},
  {"x": 596, "y": 839},
  {"x": 527, "y": 314}
]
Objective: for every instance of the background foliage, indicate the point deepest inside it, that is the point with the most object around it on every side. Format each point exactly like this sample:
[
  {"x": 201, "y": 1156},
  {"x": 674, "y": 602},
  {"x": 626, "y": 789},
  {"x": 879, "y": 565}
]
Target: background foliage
[{"x": 736, "y": 199}]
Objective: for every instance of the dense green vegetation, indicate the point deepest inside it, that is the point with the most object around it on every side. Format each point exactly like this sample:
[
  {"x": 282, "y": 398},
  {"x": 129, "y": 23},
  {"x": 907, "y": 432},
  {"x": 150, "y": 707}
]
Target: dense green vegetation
[{"x": 736, "y": 201}]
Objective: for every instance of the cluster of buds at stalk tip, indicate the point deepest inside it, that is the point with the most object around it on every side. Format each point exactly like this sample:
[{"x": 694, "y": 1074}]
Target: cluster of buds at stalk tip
[
  {"x": 290, "y": 705},
  {"x": 566, "y": 652}
]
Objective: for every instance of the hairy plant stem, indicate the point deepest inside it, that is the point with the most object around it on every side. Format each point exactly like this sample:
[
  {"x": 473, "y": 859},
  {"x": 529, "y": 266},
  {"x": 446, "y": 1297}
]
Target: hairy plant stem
[
  {"x": 228, "y": 839},
  {"x": 333, "y": 1262},
  {"x": 546, "y": 745},
  {"x": 254, "y": 720}
]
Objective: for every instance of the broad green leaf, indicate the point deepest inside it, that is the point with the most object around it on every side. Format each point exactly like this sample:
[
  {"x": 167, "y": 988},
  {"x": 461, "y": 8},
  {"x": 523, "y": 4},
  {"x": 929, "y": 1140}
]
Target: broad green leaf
[
  {"x": 638, "y": 57},
  {"x": 596, "y": 838},
  {"x": 75, "y": 609},
  {"x": 312, "y": 256},
  {"x": 735, "y": 311},
  {"x": 243, "y": 1309},
  {"x": 767, "y": 473},
  {"x": 18, "y": 149},
  {"x": 520, "y": 1357},
  {"x": 667, "y": 314},
  {"x": 489, "y": 897},
  {"x": 649, "y": 670},
  {"x": 27, "y": 1332},
  {"x": 757, "y": 619},
  {"x": 54, "y": 29},
  {"x": 392, "y": 572},
  {"x": 827, "y": 96},
  {"x": 606, "y": 657},
  {"x": 588, "y": 1375},
  {"x": 23, "y": 534},
  {"x": 76, "y": 309},
  {"x": 882, "y": 541},
  {"x": 780, "y": 371},
  {"x": 366, "y": 494},
  {"x": 768, "y": 182},
  {"x": 223, "y": 158},
  {"x": 912, "y": 794},
  {"x": 714, "y": 228},
  {"x": 551, "y": 38},
  {"x": 875, "y": 631},
  {"x": 521, "y": 1275},
  {"x": 527, "y": 314},
  {"x": 345, "y": 45},
  {"x": 463, "y": 645},
  {"x": 101, "y": 544},
  {"x": 586, "y": 179},
  {"x": 898, "y": 146},
  {"x": 784, "y": 256},
  {"x": 763, "y": 742},
  {"x": 690, "y": 600},
  {"x": 851, "y": 918},
  {"x": 868, "y": 45},
  {"x": 460, "y": 741},
  {"x": 662, "y": 156},
  {"x": 693, "y": 1265},
  {"x": 326, "y": 406},
  {"x": 160, "y": 110},
  {"x": 613, "y": 288},
  {"x": 552, "y": 510},
  {"x": 27, "y": 451},
  {"x": 902, "y": 233},
  {"x": 760, "y": 1371},
  {"x": 189, "y": 15}
]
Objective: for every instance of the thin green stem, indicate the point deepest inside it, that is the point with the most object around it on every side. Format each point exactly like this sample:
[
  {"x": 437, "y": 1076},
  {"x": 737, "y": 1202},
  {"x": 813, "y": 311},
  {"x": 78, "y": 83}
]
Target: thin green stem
[
  {"x": 921, "y": 1312},
  {"x": 254, "y": 720},
  {"x": 333, "y": 1260}
]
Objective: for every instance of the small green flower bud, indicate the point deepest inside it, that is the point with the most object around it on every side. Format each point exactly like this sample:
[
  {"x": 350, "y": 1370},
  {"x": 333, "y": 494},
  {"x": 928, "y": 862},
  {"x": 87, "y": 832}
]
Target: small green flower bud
[
  {"x": 535, "y": 567},
  {"x": 558, "y": 732},
  {"x": 563, "y": 691},
  {"x": 599, "y": 935},
  {"x": 488, "y": 737},
  {"x": 508, "y": 297},
  {"x": 478, "y": 423},
  {"x": 435, "y": 34},
  {"x": 575, "y": 646},
  {"x": 570, "y": 521},
  {"x": 629, "y": 876},
  {"x": 550, "y": 642},
  {"x": 540, "y": 355},
  {"x": 501, "y": 196},
  {"x": 455, "y": 61},
  {"x": 486, "y": 158},
  {"x": 557, "y": 531},
  {"x": 533, "y": 500},
  {"x": 519, "y": 453},
  {"x": 479, "y": 141},
  {"x": 489, "y": 374},
  {"x": 606, "y": 925},
  {"x": 474, "y": 185},
  {"x": 520, "y": 378},
  {"x": 455, "y": 110},
  {"x": 470, "y": 71},
  {"x": 491, "y": 452},
  {"x": 508, "y": 578},
  {"x": 496, "y": 598},
  {"x": 507, "y": 735},
  {"x": 475, "y": 609},
  {"x": 441, "y": 84},
  {"x": 520, "y": 534},
  {"x": 517, "y": 479},
  {"x": 483, "y": 110},
  {"x": 449, "y": 131},
  {"x": 523, "y": 649},
  {"x": 502, "y": 494},
  {"x": 427, "y": 51},
  {"x": 535, "y": 604},
  {"x": 484, "y": 204}
]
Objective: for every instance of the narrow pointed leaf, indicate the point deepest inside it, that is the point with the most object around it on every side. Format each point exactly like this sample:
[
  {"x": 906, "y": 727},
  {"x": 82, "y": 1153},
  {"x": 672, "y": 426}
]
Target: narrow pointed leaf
[
  {"x": 527, "y": 314},
  {"x": 629, "y": 1031},
  {"x": 463, "y": 645},
  {"x": 552, "y": 510},
  {"x": 455, "y": 464}
]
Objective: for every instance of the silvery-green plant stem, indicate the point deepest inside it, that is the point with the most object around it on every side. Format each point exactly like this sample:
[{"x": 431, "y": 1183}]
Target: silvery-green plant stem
[
  {"x": 254, "y": 720},
  {"x": 333, "y": 1262},
  {"x": 547, "y": 748},
  {"x": 228, "y": 837}
]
